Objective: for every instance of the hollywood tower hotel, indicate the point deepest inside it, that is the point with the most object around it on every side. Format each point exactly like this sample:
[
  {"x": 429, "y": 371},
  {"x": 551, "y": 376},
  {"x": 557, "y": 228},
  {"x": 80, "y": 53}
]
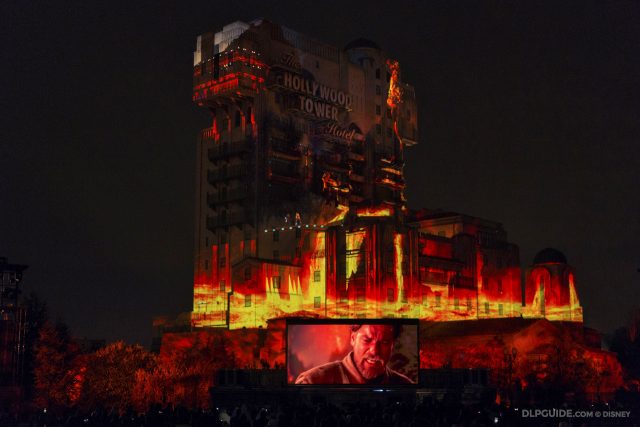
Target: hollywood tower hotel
[{"x": 300, "y": 204}]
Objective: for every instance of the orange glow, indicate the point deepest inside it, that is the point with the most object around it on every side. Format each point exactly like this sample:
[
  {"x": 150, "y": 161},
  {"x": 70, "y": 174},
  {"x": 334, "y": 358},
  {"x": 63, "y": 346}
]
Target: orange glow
[
  {"x": 369, "y": 212},
  {"x": 394, "y": 96}
]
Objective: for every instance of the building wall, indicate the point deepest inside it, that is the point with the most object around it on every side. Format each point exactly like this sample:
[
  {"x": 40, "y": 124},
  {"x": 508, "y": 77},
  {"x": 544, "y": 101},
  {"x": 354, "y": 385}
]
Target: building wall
[{"x": 300, "y": 192}]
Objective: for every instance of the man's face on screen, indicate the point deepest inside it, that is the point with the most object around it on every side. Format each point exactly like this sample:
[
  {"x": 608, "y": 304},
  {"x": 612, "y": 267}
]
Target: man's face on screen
[{"x": 372, "y": 347}]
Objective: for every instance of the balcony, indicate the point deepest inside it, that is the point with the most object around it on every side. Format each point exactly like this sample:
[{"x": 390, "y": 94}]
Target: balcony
[
  {"x": 233, "y": 172},
  {"x": 285, "y": 150},
  {"x": 225, "y": 221},
  {"x": 222, "y": 150},
  {"x": 232, "y": 196}
]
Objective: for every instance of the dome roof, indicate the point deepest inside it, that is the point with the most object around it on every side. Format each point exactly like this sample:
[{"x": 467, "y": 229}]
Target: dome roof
[
  {"x": 549, "y": 255},
  {"x": 358, "y": 43}
]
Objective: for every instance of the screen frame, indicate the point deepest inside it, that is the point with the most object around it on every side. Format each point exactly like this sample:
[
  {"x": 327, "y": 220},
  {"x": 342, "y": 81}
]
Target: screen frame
[{"x": 352, "y": 321}]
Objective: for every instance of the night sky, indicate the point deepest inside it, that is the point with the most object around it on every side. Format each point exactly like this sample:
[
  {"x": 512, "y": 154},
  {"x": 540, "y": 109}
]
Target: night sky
[{"x": 529, "y": 115}]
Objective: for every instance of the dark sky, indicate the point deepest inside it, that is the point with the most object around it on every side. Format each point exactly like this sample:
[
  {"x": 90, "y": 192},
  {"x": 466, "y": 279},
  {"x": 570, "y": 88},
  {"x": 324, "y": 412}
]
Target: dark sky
[{"x": 529, "y": 115}]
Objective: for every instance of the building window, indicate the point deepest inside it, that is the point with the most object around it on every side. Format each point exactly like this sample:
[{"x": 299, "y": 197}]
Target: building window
[
  {"x": 276, "y": 282},
  {"x": 378, "y": 90},
  {"x": 469, "y": 306},
  {"x": 247, "y": 273},
  {"x": 456, "y": 303},
  {"x": 403, "y": 296},
  {"x": 316, "y": 302},
  {"x": 438, "y": 299},
  {"x": 500, "y": 309},
  {"x": 247, "y": 300},
  {"x": 276, "y": 254},
  {"x": 390, "y": 294},
  {"x": 378, "y": 110},
  {"x": 222, "y": 285},
  {"x": 223, "y": 262},
  {"x": 206, "y": 264},
  {"x": 486, "y": 308},
  {"x": 238, "y": 119},
  {"x": 378, "y": 73},
  {"x": 425, "y": 300},
  {"x": 378, "y": 130},
  {"x": 316, "y": 276},
  {"x": 276, "y": 236}
]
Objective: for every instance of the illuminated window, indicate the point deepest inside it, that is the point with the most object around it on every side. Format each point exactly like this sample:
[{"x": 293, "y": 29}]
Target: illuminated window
[
  {"x": 247, "y": 300},
  {"x": 469, "y": 306},
  {"x": 390, "y": 294},
  {"x": 486, "y": 308},
  {"x": 276, "y": 282},
  {"x": 276, "y": 236},
  {"x": 223, "y": 262},
  {"x": 316, "y": 276},
  {"x": 456, "y": 303},
  {"x": 500, "y": 309},
  {"x": 425, "y": 300},
  {"x": 222, "y": 285},
  {"x": 438, "y": 299},
  {"x": 316, "y": 302}
]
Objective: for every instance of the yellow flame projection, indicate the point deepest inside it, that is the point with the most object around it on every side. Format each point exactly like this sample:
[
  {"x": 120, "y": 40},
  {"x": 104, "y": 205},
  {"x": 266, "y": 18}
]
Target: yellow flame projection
[
  {"x": 317, "y": 270},
  {"x": 340, "y": 216},
  {"x": 576, "y": 309},
  {"x": 372, "y": 212},
  {"x": 397, "y": 243},
  {"x": 354, "y": 243}
]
